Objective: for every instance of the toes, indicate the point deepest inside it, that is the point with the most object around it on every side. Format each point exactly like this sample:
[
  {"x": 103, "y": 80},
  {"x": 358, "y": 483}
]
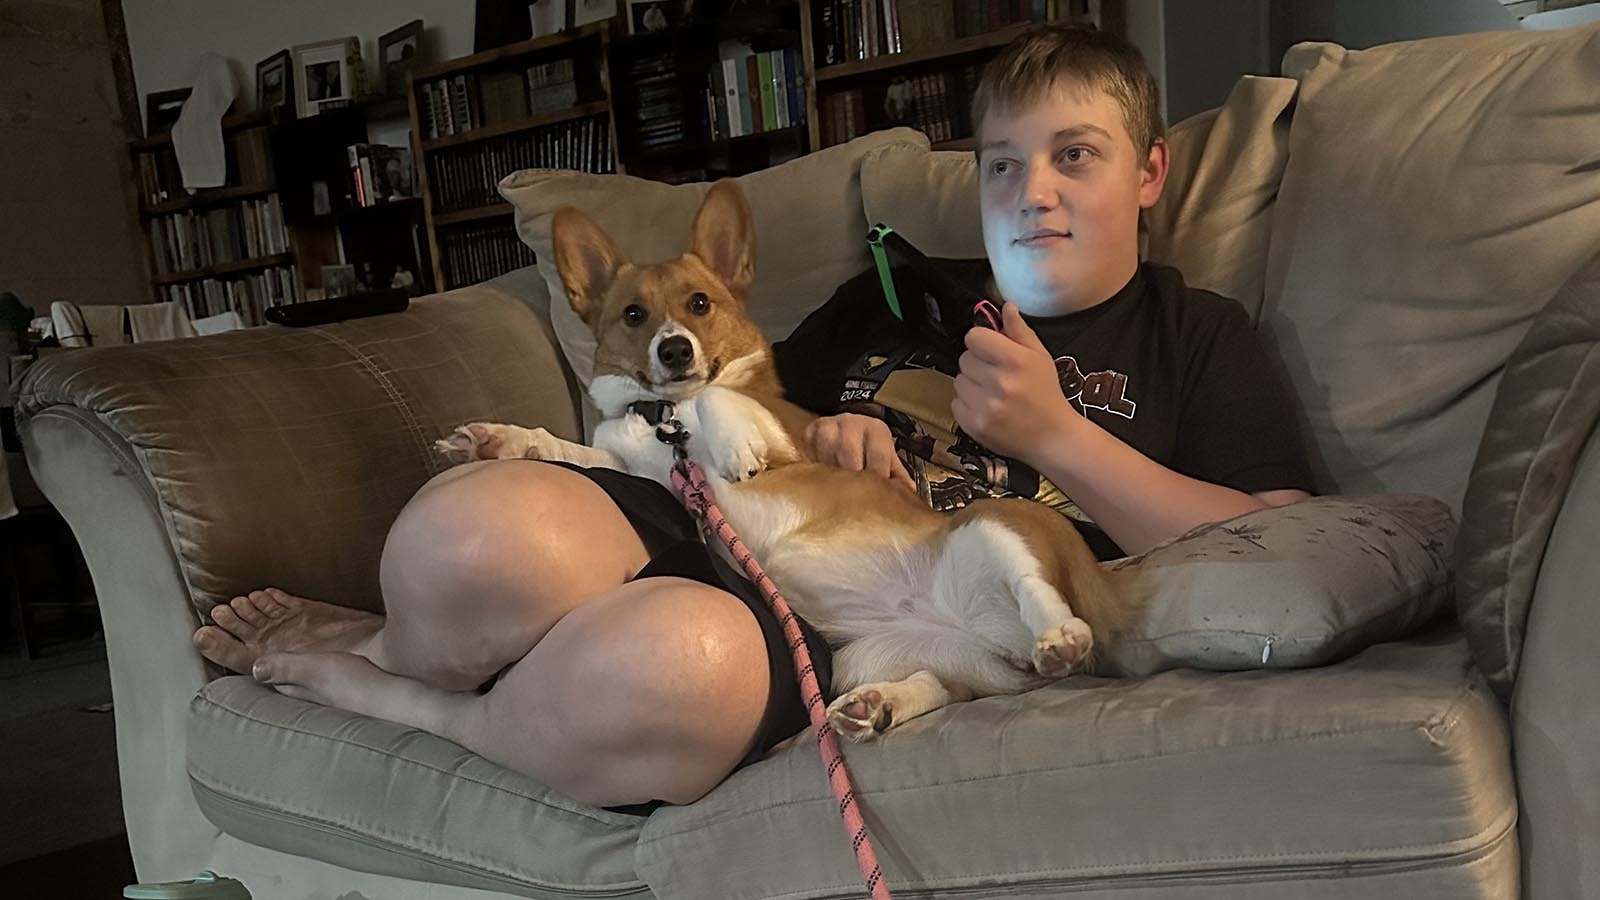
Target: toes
[
  {"x": 222, "y": 648},
  {"x": 228, "y": 620},
  {"x": 272, "y": 602},
  {"x": 245, "y": 608}
]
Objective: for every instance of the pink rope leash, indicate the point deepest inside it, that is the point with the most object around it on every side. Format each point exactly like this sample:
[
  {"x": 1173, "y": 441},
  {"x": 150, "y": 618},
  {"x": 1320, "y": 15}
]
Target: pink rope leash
[{"x": 691, "y": 483}]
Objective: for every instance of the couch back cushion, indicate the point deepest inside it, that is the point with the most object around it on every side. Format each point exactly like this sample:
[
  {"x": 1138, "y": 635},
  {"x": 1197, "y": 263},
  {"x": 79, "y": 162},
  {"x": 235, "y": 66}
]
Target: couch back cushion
[
  {"x": 810, "y": 237},
  {"x": 1433, "y": 202}
]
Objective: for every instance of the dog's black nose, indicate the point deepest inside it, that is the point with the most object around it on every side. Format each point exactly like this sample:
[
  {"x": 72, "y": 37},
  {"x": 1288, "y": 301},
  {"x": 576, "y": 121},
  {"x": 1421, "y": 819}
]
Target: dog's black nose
[{"x": 676, "y": 352}]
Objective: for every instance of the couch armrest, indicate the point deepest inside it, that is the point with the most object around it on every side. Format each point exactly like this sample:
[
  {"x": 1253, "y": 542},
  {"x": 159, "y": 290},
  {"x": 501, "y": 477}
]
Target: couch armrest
[
  {"x": 281, "y": 456},
  {"x": 1528, "y": 582},
  {"x": 192, "y": 470}
]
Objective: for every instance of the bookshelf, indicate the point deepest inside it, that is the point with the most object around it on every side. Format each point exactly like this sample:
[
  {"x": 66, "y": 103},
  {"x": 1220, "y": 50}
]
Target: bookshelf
[
  {"x": 745, "y": 85},
  {"x": 543, "y": 102},
  {"x": 224, "y": 248}
]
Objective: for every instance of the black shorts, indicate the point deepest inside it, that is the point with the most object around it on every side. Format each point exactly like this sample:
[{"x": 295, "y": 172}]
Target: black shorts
[{"x": 672, "y": 539}]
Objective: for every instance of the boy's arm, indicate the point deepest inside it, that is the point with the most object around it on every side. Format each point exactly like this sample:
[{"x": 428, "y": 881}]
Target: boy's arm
[{"x": 1009, "y": 398}]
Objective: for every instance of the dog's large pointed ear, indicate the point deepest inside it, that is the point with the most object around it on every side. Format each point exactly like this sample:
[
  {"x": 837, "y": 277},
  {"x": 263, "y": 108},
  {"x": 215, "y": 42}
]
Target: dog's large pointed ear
[
  {"x": 725, "y": 236},
  {"x": 586, "y": 258}
]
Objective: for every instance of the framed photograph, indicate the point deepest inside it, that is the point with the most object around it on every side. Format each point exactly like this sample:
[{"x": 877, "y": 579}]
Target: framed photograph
[
  {"x": 586, "y": 11},
  {"x": 648, "y": 16},
  {"x": 397, "y": 54},
  {"x": 340, "y": 281},
  {"x": 162, "y": 109},
  {"x": 547, "y": 17},
  {"x": 327, "y": 75},
  {"x": 275, "y": 83}
]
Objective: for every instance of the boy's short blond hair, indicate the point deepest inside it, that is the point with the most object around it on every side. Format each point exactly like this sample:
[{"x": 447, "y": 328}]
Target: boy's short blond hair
[{"x": 1045, "y": 56}]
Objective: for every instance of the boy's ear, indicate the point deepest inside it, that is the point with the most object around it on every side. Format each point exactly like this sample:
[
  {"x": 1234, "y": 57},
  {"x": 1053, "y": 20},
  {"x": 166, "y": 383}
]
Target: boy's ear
[
  {"x": 1153, "y": 176},
  {"x": 725, "y": 236},
  {"x": 587, "y": 260}
]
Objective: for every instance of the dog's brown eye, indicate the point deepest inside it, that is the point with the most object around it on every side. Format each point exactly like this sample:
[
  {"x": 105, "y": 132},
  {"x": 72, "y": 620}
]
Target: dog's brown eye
[
  {"x": 699, "y": 303},
  {"x": 634, "y": 314}
]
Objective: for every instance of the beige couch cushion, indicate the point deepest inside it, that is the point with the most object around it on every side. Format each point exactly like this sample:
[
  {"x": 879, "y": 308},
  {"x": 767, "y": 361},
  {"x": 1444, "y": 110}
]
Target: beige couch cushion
[
  {"x": 810, "y": 236},
  {"x": 380, "y": 797},
  {"x": 1215, "y": 215},
  {"x": 1387, "y": 775},
  {"x": 1430, "y": 207},
  {"x": 1551, "y": 390}
]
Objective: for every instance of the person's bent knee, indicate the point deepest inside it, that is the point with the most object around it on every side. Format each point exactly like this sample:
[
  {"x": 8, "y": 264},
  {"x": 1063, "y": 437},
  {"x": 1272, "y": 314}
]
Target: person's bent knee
[{"x": 675, "y": 684}]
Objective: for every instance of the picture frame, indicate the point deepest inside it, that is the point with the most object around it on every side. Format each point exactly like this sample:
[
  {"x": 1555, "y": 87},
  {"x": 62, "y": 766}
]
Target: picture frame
[
  {"x": 651, "y": 16},
  {"x": 275, "y": 83},
  {"x": 547, "y": 17},
  {"x": 586, "y": 11},
  {"x": 340, "y": 281},
  {"x": 399, "y": 52},
  {"x": 328, "y": 75},
  {"x": 162, "y": 109}
]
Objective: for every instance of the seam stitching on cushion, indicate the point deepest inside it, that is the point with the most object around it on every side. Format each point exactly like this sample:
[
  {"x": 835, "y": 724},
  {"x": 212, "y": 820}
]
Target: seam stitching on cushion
[
  {"x": 381, "y": 375},
  {"x": 1475, "y": 852},
  {"x": 1513, "y": 660},
  {"x": 202, "y": 698},
  {"x": 1418, "y": 726},
  {"x": 487, "y": 865}
]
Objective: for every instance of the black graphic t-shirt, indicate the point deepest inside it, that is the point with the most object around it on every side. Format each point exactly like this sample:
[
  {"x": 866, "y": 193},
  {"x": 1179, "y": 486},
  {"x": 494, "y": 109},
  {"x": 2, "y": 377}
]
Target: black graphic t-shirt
[{"x": 1174, "y": 372}]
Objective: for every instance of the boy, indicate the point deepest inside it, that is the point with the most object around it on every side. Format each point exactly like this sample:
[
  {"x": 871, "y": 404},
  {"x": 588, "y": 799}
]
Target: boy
[{"x": 1149, "y": 404}]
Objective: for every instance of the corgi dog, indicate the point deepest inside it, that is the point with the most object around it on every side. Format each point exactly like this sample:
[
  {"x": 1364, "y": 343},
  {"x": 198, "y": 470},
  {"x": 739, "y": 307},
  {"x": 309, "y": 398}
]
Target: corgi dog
[{"x": 923, "y": 608}]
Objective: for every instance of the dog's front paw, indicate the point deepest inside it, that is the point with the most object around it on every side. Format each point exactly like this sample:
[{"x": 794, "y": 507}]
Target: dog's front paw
[
  {"x": 861, "y": 714},
  {"x": 489, "y": 440},
  {"x": 1061, "y": 649}
]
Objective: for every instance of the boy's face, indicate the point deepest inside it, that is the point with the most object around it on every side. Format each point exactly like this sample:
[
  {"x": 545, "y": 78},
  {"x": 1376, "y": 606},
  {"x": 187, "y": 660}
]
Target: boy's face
[{"x": 1061, "y": 186}]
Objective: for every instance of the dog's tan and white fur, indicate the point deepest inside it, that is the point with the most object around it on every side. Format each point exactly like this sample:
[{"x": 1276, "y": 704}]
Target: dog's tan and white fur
[{"x": 925, "y": 608}]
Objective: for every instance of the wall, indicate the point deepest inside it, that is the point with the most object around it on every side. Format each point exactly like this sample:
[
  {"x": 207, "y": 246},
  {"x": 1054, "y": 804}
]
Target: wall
[
  {"x": 68, "y": 214},
  {"x": 1199, "y": 48},
  {"x": 165, "y": 36}
]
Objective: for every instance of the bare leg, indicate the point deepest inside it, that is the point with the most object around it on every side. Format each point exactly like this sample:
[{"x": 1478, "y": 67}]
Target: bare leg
[
  {"x": 477, "y": 567},
  {"x": 651, "y": 691}
]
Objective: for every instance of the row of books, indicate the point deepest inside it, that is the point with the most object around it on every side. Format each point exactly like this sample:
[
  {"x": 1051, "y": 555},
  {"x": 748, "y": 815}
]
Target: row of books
[
  {"x": 658, "y": 100},
  {"x": 751, "y": 92},
  {"x": 191, "y": 240},
  {"x": 477, "y": 253},
  {"x": 379, "y": 174},
  {"x": 248, "y": 295},
  {"x": 460, "y": 103},
  {"x": 849, "y": 30},
  {"x": 249, "y": 162},
  {"x": 468, "y": 177}
]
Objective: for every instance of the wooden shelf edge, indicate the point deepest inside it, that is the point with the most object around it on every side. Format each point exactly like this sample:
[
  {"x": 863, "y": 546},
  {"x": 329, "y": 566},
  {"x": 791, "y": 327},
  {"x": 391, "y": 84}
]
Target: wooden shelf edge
[
  {"x": 473, "y": 215},
  {"x": 520, "y": 48},
  {"x": 235, "y": 122},
  {"x": 243, "y": 265},
  {"x": 209, "y": 197},
  {"x": 581, "y": 111},
  {"x": 887, "y": 61}
]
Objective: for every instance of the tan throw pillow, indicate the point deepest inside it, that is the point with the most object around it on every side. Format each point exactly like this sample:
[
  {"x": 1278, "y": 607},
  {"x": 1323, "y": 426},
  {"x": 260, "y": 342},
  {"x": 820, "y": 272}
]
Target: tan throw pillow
[
  {"x": 929, "y": 196},
  {"x": 1432, "y": 204},
  {"x": 1214, "y": 217},
  {"x": 1291, "y": 586},
  {"x": 810, "y": 237}
]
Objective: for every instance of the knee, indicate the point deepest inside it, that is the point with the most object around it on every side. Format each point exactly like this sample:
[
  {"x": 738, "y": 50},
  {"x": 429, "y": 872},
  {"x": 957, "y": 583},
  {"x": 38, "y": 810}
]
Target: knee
[{"x": 677, "y": 685}]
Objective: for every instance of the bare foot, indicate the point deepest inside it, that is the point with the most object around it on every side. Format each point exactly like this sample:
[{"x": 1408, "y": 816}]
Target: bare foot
[
  {"x": 352, "y": 682},
  {"x": 269, "y": 620}
]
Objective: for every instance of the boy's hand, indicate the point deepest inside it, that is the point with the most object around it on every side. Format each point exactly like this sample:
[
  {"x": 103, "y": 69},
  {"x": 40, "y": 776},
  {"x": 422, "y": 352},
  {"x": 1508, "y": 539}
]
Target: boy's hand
[
  {"x": 1008, "y": 396},
  {"x": 852, "y": 441}
]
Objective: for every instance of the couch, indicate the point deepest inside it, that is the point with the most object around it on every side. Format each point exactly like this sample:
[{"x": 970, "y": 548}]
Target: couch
[{"x": 1413, "y": 228}]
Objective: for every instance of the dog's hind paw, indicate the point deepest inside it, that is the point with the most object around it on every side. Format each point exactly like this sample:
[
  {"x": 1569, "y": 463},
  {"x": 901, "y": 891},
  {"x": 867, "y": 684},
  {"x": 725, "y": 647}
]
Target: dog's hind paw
[
  {"x": 861, "y": 714},
  {"x": 1061, "y": 649}
]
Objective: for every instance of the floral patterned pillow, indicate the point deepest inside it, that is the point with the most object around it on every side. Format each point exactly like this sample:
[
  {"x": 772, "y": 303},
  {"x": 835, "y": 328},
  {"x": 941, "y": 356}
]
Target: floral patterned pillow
[{"x": 1289, "y": 587}]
